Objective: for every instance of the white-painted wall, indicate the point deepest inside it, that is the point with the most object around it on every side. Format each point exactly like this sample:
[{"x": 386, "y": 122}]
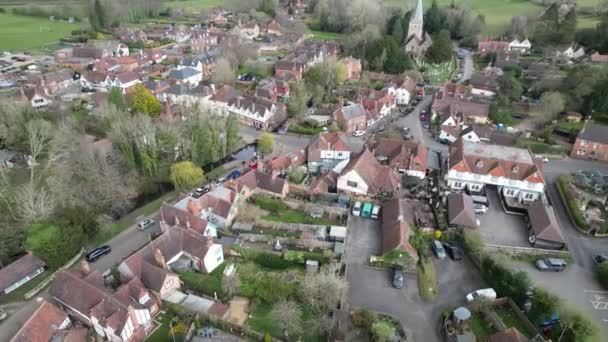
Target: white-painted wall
[
  {"x": 352, "y": 176},
  {"x": 213, "y": 258}
]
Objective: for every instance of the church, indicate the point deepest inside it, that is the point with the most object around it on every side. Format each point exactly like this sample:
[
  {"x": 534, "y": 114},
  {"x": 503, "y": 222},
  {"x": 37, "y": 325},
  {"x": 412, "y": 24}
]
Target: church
[{"x": 417, "y": 41}]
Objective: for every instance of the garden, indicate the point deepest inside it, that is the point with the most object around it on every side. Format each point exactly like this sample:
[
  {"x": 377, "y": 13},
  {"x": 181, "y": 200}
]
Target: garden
[
  {"x": 278, "y": 211},
  {"x": 584, "y": 194},
  {"x": 437, "y": 74}
]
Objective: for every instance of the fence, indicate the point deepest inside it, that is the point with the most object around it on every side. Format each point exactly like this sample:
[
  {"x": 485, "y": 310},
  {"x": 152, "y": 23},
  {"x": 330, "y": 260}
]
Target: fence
[{"x": 514, "y": 250}]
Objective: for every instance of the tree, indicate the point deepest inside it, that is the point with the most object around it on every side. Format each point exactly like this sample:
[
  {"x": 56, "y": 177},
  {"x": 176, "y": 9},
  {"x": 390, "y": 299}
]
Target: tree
[
  {"x": 597, "y": 102},
  {"x": 224, "y": 72},
  {"x": 544, "y": 305},
  {"x": 324, "y": 290},
  {"x": 581, "y": 86},
  {"x": 432, "y": 19},
  {"x": 397, "y": 31},
  {"x": 80, "y": 218},
  {"x": 232, "y": 131},
  {"x": 364, "y": 318},
  {"x": 441, "y": 50},
  {"x": 231, "y": 284},
  {"x": 54, "y": 243},
  {"x": 602, "y": 274},
  {"x": 185, "y": 175},
  {"x": 382, "y": 331},
  {"x": 550, "y": 105},
  {"x": 419, "y": 243},
  {"x": 144, "y": 102},
  {"x": 97, "y": 16},
  {"x": 288, "y": 317},
  {"x": 267, "y": 6},
  {"x": 116, "y": 98},
  {"x": 510, "y": 86},
  {"x": 296, "y": 103},
  {"x": 577, "y": 326},
  {"x": 266, "y": 143}
]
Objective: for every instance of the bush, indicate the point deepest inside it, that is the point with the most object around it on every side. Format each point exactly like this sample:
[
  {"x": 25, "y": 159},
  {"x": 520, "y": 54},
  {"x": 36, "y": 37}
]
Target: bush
[
  {"x": 202, "y": 283},
  {"x": 506, "y": 282},
  {"x": 602, "y": 274},
  {"x": 305, "y": 130},
  {"x": 363, "y": 318},
  {"x": 270, "y": 204},
  {"x": 272, "y": 261},
  {"x": 300, "y": 257},
  {"x": 382, "y": 331},
  {"x": 575, "y": 211}
]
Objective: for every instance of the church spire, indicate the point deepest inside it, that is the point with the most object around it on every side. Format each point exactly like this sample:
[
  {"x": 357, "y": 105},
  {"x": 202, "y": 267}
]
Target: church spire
[
  {"x": 416, "y": 22},
  {"x": 418, "y": 14}
]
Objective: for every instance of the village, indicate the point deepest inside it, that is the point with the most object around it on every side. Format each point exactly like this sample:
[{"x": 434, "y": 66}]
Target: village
[{"x": 240, "y": 176}]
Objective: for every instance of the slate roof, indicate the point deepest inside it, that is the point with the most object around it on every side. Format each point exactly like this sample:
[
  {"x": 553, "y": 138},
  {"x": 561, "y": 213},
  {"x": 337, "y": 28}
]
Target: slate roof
[
  {"x": 59, "y": 76},
  {"x": 184, "y": 73},
  {"x": 377, "y": 177},
  {"x": 397, "y": 218},
  {"x": 19, "y": 269},
  {"x": 544, "y": 223},
  {"x": 594, "y": 132},
  {"x": 42, "y": 325},
  {"x": 461, "y": 211}
]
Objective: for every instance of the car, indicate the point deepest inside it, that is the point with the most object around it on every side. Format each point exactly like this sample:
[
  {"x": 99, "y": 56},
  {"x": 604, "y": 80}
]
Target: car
[
  {"x": 422, "y": 117},
  {"x": 375, "y": 212},
  {"x": 397, "y": 278},
  {"x": 551, "y": 264},
  {"x": 479, "y": 208},
  {"x": 438, "y": 249},
  {"x": 482, "y": 294},
  {"x": 600, "y": 258},
  {"x": 145, "y": 224},
  {"x": 234, "y": 174},
  {"x": 414, "y": 103},
  {"x": 219, "y": 181},
  {"x": 359, "y": 133},
  {"x": 453, "y": 251},
  {"x": 405, "y": 130},
  {"x": 98, "y": 252},
  {"x": 357, "y": 209},
  {"x": 426, "y": 125},
  {"x": 380, "y": 129},
  {"x": 195, "y": 194},
  {"x": 366, "y": 211},
  {"x": 202, "y": 189}
]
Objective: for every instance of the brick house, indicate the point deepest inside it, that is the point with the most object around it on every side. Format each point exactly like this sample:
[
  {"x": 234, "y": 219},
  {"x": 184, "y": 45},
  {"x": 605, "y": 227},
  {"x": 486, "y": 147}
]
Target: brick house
[
  {"x": 591, "y": 142},
  {"x": 353, "y": 68},
  {"x": 350, "y": 118}
]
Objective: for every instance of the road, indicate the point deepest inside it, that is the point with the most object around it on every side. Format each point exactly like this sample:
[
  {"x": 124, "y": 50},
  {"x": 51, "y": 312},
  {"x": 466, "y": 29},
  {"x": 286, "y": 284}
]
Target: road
[{"x": 468, "y": 67}]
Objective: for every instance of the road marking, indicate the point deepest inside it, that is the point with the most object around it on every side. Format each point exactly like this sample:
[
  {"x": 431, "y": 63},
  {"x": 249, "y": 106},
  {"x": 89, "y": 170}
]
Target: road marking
[
  {"x": 594, "y": 291},
  {"x": 599, "y": 303}
]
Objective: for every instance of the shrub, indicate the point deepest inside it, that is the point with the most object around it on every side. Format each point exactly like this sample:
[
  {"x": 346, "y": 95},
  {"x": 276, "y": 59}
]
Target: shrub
[
  {"x": 272, "y": 261},
  {"x": 300, "y": 129},
  {"x": 602, "y": 274},
  {"x": 382, "y": 331},
  {"x": 270, "y": 204},
  {"x": 363, "y": 318},
  {"x": 300, "y": 257},
  {"x": 202, "y": 283},
  {"x": 575, "y": 211},
  {"x": 506, "y": 282}
]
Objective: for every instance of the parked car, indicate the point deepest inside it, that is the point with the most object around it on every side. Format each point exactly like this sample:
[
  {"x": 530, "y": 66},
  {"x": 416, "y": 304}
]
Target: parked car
[
  {"x": 357, "y": 209},
  {"x": 600, "y": 258},
  {"x": 359, "y": 133},
  {"x": 453, "y": 251},
  {"x": 234, "y": 174},
  {"x": 551, "y": 264},
  {"x": 145, "y": 224},
  {"x": 426, "y": 125},
  {"x": 482, "y": 294},
  {"x": 397, "y": 279},
  {"x": 219, "y": 181},
  {"x": 202, "y": 189},
  {"x": 98, "y": 252},
  {"x": 438, "y": 249},
  {"x": 367, "y": 210},
  {"x": 479, "y": 208},
  {"x": 375, "y": 212},
  {"x": 422, "y": 117}
]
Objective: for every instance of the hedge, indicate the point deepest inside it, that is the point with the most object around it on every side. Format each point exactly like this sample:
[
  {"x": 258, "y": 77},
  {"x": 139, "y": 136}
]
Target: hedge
[
  {"x": 300, "y": 257},
  {"x": 573, "y": 209},
  {"x": 270, "y": 204},
  {"x": 202, "y": 283}
]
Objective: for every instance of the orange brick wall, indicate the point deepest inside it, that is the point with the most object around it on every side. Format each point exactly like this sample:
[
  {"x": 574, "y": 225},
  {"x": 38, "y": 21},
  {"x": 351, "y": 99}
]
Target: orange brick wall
[{"x": 600, "y": 151}]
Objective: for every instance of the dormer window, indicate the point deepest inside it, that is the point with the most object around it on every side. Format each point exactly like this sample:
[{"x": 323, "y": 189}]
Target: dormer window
[
  {"x": 144, "y": 298},
  {"x": 515, "y": 169},
  {"x": 479, "y": 163}
]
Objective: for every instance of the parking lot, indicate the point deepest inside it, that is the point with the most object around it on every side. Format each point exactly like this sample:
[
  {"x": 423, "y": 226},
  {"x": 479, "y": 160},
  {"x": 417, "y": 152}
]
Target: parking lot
[
  {"x": 499, "y": 228},
  {"x": 371, "y": 288}
]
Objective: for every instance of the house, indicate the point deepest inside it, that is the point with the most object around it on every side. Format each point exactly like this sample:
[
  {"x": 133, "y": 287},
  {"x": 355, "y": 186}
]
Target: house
[
  {"x": 203, "y": 62},
  {"x": 591, "y": 142},
  {"x": 126, "y": 63},
  {"x": 185, "y": 95},
  {"x": 364, "y": 175},
  {"x": 473, "y": 133},
  {"x": 47, "y": 324},
  {"x": 353, "y": 68},
  {"x": 485, "y": 82},
  {"x": 260, "y": 182},
  {"x": 573, "y": 116},
  {"x": 219, "y": 19},
  {"x": 491, "y": 46},
  {"x": 203, "y": 41},
  {"x": 402, "y": 90},
  {"x": 272, "y": 89},
  {"x": 573, "y": 52},
  {"x": 515, "y": 172},
  {"x": 257, "y": 112},
  {"x": 157, "y": 86},
  {"x": 285, "y": 163},
  {"x": 398, "y": 217},
  {"x": 326, "y": 151},
  {"x": 350, "y": 118},
  {"x": 544, "y": 230},
  {"x": 187, "y": 75},
  {"x": 377, "y": 103},
  {"x": 599, "y": 58},
  {"x": 94, "y": 80},
  {"x": 417, "y": 40},
  {"x": 508, "y": 335},
  {"x": 121, "y": 315},
  {"x": 461, "y": 117},
  {"x": 305, "y": 55},
  {"x": 274, "y": 28},
  {"x": 19, "y": 272},
  {"x": 451, "y": 101},
  {"x": 523, "y": 46},
  {"x": 37, "y": 97},
  {"x": 110, "y": 47},
  {"x": 249, "y": 31},
  {"x": 124, "y": 80},
  {"x": 405, "y": 157},
  {"x": 218, "y": 207},
  {"x": 59, "y": 80},
  {"x": 460, "y": 211},
  {"x": 506, "y": 59},
  {"x": 221, "y": 99}
]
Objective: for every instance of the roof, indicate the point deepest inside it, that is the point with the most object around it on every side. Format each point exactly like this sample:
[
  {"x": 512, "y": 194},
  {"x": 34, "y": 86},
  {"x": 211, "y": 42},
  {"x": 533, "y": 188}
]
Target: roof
[
  {"x": 352, "y": 111},
  {"x": 183, "y": 73},
  {"x": 19, "y": 269},
  {"x": 397, "y": 218},
  {"x": 509, "y": 335},
  {"x": 544, "y": 223},
  {"x": 418, "y": 15},
  {"x": 461, "y": 211},
  {"x": 496, "y": 160},
  {"x": 126, "y": 77},
  {"x": 42, "y": 325},
  {"x": 408, "y": 155},
  {"x": 225, "y": 94},
  {"x": 325, "y": 141},
  {"x": 594, "y": 132},
  {"x": 377, "y": 177},
  {"x": 255, "y": 179},
  {"x": 492, "y": 46},
  {"x": 485, "y": 80},
  {"x": 323, "y": 183},
  {"x": 59, "y": 76}
]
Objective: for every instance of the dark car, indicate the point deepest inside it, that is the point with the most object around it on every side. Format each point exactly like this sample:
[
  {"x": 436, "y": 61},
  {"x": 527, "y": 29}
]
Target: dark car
[
  {"x": 234, "y": 174},
  {"x": 98, "y": 252},
  {"x": 397, "y": 279},
  {"x": 600, "y": 258},
  {"x": 453, "y": 251},
  {"x": 426, "y": 125}
]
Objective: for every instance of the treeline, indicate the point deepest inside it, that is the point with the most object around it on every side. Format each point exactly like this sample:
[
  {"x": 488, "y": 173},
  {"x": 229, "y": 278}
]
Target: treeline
[
  {"x": 60, "y": 13},
  {"x": 104, "y": 14}
]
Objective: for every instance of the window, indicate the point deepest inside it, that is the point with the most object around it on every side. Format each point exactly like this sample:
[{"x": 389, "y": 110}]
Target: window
[
  {"x": 457, "y": 185},
  {"x": 351, "y": 184},
  {"x": 219, "y": 258},
  {"x": 509, "y": 192},
  {"x": 339, "y": 154},
  {"x": 474, "y": 187},
  {"x": 585, "y": 143},
  {"x": 528, "y": 196},
  {"x": 580, "y": 152}
]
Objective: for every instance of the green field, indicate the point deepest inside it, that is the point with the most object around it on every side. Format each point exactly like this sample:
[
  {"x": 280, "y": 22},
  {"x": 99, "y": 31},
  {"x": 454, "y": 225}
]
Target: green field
[
  {"x": 320, "y": 35},
  {"x": 195, "y": 5},
  {"x": 23, "y": 33}
]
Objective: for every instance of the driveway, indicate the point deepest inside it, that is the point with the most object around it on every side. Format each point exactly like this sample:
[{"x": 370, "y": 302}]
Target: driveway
[
  {"x": 468, "y": 65},
  {"x": 371, "y": 288},
  {"x": 499, "y": 228}
]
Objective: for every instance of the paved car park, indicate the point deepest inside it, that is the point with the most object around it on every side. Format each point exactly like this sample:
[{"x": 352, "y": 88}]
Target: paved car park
[
  {"x": 500, "y": 228},
  {"x": 371, "y": 288}
]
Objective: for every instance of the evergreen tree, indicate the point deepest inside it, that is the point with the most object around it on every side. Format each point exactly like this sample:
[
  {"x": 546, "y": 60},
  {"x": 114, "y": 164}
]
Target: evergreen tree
[
  {"x": 442, "y": 50},
  {"x": 432, "y": 19},
  {"x": 116, "y": 98},
  {"x": 397, "y": 31},
  {"x": 568, "y": 27},
  {"x": 232, "y": 131}
]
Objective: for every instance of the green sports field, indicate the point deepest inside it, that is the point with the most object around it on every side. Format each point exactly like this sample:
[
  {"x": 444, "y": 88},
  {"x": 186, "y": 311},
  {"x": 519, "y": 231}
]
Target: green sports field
[
  {"x": 195, "y": 5},
  {"x": 23, "y": 33}
]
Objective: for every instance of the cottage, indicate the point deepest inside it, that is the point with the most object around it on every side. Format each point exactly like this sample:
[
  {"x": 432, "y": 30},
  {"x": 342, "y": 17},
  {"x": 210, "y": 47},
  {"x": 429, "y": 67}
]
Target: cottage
[
  {"x": 126, "y": 81},
  {"x": 353, "y": 68},
  {"x": 249, "y": 31},
  {"x": 397, "y": 219},
  {"x": 49, "y": 323},
  {"x": 491, "y": 46},
  {"x": 285, "y": 163},
  {"x": 591, "y": 142},
  {"x": 187, "y": 75},
  {"x": 485, "y": 82},
  {"x": 110, "y": 47},
  {"x": 351, "y": 117},
  {"x": 599, "y": 58},
  {"x": 36, "y": 97},
  {"x": 257, "y": 112},
  {"x": 523, "y": 46},
  {"x": 264, "y": 183},
  {"x": 543, "y": 228},
  {"x": 460, "y": 211},
  {"x": 203, "y": 62},
  {"x": 326, "y": 151},
  {"x": 59, "y": 80},
  {"x": 19, "y": 272},
  {"x": 402, "y": 90},
  {"x": 305, "y": 55},
  {"x": 405, "y": 157},
  {"x": 364, "y": 175}
]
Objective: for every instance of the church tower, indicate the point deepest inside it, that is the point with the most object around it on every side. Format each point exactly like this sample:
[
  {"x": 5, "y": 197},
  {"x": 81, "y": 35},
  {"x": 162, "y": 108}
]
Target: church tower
[{"x": 416, "y": 23}]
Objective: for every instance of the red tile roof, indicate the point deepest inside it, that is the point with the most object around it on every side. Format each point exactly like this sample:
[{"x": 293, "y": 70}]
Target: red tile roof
[
  {"x": 377, "y": 177},
  {"x": 43, "y": 324},
  {"x": 254, "y": 179},
  {"x": 401, "y": 154},
  {"x": 325, "y": 141},
  {"x": 397, "y": 218}
]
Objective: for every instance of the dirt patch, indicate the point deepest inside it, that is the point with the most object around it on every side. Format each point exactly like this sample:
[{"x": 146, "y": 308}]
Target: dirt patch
[{"x": 238, "y": 310}]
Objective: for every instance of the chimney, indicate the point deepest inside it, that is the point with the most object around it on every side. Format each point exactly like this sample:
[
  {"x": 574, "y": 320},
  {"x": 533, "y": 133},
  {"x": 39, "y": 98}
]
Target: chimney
[
  {"x": 208, "y": 239},
  {"x": 192, "y": 209},
  {"x": 159, "y": 258},
  {"x": 84, "y": 266}
]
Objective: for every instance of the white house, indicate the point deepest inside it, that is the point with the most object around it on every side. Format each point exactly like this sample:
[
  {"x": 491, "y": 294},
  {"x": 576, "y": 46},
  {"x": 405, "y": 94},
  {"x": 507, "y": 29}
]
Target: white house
[
  {"x": 124, "y": 81},
  {"x": 472, "y": 134},
  {"x": 572, "y": 52},
  {"x": 365, "y": 176},
  {"x": 36, "y": 97},
  {"x": 255, "y": 111},
  {"x": 326, "y": 151},
  {"x": 523, "y": 46},
  {"x": 515, "y": 172},
  {"x": 186, "y": 75},
  {"x": 402, "y": 90}
]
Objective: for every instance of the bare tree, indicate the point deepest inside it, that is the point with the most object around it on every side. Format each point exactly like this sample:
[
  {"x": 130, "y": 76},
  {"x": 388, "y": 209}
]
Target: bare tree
[
  {"x": 33, "y": 203},
  {"x": 231, "y": 284},
  {"x": 224, "y": 73},
  {"x": 321, "y": 323},
  {"x": 324, "y": 290},
  {"x": 519, "y": 24},
  {"x": 550, "y": 105},
  {"x": 288, "y": 316}
]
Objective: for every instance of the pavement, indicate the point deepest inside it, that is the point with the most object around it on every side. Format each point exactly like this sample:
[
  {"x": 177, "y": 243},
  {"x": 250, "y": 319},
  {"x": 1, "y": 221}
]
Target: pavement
[
  {"x": 469, "y": 66},
  {"x": 371, "y": 288},
  {"x": 499, "y": 228}
]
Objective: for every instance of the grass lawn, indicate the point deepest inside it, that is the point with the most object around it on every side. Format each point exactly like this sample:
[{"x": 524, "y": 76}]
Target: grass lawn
[
  {"x": 320, "y": 35},
  {"x": 293, "y": 216},
  {"x": 260, "y": 321},
  {"x": 162, "y": 333},
  {"x": 480, "y": 327},
  {"x": 17, "y": 295},
  {"x": 427, "y": 281},
  {"x": 195, "y": 5},
  {"x": 23, "y": 33},
  {"x": 510, "y": 319},
  {"x": 109, "y": 231}
]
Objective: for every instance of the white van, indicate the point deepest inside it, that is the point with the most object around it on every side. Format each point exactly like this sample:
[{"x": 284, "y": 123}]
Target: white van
[
  {"x": 485, "y": 294},
  {"x": 375, "y": 212},
  {"x": 357, "y": 209}
]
